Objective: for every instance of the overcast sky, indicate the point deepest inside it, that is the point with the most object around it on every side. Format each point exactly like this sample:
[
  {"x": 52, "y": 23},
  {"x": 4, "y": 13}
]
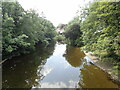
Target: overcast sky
[{"x": 57, "y": 11}]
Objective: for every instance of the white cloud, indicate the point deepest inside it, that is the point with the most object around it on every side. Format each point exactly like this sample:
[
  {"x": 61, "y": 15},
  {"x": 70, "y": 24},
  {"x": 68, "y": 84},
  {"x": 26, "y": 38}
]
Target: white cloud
[
  {"x": 55, "y": 85},
  {"x": 60, "y": 50},
  {"x": 71, "y": 84},
  {"x": 57, "y": 11},
  {"x": 46, "y": 70}
]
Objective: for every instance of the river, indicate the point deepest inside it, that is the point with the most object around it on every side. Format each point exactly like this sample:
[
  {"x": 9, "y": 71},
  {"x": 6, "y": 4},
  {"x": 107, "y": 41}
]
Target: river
[{"x": 55, "y": 66}]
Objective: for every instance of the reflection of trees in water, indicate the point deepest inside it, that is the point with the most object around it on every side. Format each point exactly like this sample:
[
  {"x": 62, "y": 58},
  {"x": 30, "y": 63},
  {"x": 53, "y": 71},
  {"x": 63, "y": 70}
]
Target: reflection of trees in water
[
  {"x": 21, "y": 72},
  {"x": 74, "y": 55},
  {"x": 90, "y": 75},
  {"x": 93, "y": 77}
]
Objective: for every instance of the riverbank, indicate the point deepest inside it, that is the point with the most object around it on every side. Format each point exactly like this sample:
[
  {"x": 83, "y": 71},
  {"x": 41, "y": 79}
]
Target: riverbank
[{"x": 106, "y": 66}]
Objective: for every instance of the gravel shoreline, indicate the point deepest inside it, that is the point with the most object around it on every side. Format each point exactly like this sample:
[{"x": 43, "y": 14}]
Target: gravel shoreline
[{"x": 105, "y": 66}]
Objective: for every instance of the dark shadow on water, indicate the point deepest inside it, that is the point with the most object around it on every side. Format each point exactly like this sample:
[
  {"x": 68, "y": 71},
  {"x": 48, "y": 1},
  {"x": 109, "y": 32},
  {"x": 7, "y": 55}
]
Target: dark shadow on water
[
  {"x": 22, "y": 71},
  {"x": 64, "y": 66}
]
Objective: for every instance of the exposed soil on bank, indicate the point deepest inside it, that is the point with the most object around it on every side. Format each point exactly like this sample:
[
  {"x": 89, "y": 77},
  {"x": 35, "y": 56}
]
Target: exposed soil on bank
[{"x": 106, "y": 66}]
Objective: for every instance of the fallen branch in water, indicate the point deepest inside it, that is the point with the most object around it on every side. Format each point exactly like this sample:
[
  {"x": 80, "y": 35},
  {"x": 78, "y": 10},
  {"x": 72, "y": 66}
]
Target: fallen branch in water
[{"x": 3, "y": 61}]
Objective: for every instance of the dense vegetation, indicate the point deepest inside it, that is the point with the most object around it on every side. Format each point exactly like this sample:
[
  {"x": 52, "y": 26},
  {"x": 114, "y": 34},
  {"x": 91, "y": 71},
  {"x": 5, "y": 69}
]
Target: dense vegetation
[
  {"x": 22, "y": 30},
  {"x": 100, "y": 31},
  {"x": 97, "y": 29},
  {"x": 73, "y": 33}
]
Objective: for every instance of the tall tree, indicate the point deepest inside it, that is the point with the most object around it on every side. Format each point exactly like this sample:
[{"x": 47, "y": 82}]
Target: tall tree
[{"x": 23, "y": 29}]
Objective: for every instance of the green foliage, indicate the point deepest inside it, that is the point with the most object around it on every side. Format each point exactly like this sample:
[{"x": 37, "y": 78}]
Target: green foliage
[
  {"x": 100, "y": 28},
  {"x": 59, "y": 38},
  {"x": 116, "y": 68},
  {"x": 73, "y": 32},
  {"x": 22, "y": 30}
]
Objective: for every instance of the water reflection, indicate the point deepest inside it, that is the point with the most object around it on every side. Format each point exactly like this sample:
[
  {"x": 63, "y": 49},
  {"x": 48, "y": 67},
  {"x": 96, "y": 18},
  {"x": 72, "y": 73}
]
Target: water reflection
[
  {"x": 72, "y": 84},
  {"x": 90, "y": 76},
  {"x": 74, "y": 55},
  {"x": 58, "y": 73},
  {"x": 54, "y": 67},
  {"x": 22, "y": 71},
  {"x": 94, "y": 77}
]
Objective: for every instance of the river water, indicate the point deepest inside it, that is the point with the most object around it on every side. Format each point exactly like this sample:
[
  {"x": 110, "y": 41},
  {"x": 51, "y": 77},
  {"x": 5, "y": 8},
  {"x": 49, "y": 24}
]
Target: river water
[{"x": 55, "y": 66}]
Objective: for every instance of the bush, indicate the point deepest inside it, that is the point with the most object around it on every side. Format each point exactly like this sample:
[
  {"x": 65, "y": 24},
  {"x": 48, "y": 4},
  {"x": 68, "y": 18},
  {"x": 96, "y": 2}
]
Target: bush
[{"x": 59, "y": 38}]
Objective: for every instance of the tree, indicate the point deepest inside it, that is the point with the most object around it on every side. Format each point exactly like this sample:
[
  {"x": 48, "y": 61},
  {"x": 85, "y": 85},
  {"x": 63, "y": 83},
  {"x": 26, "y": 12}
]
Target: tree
[
  {"x": 101, "y": 30},
  {"x": 73, "y": 32},
  {"x": 22, "y": 30}
]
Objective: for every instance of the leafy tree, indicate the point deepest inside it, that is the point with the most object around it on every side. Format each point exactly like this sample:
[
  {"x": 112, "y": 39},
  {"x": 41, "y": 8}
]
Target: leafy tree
[
  {"x": 101, "y": 30},
  {"x": 73, "y": 32},
  {"x": 22, "y": 30}
]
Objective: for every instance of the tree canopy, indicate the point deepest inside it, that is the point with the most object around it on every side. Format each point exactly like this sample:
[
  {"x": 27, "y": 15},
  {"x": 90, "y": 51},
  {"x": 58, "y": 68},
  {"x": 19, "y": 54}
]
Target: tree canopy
[
  {"x": 100, "y": 28},
  {"x": 22, "y": 30},
  {"x": 73, "y": 32},
  {"x": 97, "y": 27}
]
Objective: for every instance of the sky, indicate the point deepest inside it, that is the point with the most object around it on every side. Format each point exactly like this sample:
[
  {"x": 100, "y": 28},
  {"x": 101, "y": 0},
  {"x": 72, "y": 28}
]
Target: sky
[{"x": 57, "y": 11}]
